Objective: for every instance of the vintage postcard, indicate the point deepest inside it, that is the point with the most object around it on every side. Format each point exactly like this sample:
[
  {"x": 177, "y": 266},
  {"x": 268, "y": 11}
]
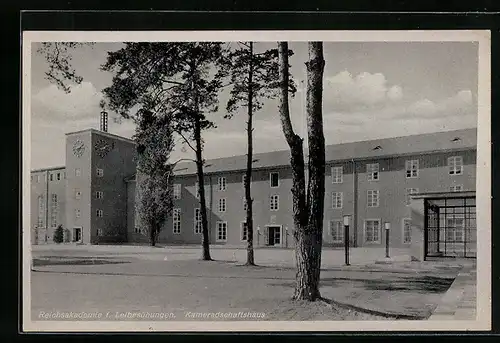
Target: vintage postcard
[{"x": 256, "y": 181}]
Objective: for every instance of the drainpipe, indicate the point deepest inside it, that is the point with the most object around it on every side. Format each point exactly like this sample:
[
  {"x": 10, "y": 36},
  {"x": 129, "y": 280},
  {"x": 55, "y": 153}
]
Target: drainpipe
[
  {"x": 211, "y": 208},
  {"x": 355, "y": 203},
  {"x": 47, "y": 208}
]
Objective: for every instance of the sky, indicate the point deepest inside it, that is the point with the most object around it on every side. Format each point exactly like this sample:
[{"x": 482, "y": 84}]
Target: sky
[{"x": 371, "y": 90}]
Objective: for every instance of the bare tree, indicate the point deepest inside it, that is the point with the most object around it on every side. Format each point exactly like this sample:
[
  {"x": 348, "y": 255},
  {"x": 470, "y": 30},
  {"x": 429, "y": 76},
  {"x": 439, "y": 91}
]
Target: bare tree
[
  {"x": 308, "y": 208},
  {"x": 254, "y": 77}
]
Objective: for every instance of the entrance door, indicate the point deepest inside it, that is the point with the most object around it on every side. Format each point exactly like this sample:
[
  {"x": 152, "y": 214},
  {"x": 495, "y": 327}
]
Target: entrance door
[
  {"x": 274, "y": 235},
  {"x": 78, "y": 234}
]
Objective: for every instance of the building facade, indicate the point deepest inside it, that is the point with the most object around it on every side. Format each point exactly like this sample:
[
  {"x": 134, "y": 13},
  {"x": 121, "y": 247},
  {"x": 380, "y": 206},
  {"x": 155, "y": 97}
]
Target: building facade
[{"x": 370, "y": 181}]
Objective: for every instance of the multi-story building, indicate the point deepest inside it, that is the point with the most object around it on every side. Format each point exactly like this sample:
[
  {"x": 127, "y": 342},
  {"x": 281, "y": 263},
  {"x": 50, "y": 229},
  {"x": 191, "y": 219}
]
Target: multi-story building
[
  {"x": 48, "y": 200},
  {"x": 371, "y": 181}
]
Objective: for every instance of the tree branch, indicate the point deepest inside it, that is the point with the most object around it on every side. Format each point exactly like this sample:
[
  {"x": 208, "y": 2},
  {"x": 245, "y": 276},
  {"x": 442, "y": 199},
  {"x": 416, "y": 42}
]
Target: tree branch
[
  {"x": 185, "y": 140},
  {"x": 182, "y": 159}
]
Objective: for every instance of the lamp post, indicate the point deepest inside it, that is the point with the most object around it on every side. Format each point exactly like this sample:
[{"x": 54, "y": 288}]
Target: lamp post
[
  {"x": 286, "y": 236},
  {"x": 387, "y": 227},
  {"x": 346, "y": 238}
]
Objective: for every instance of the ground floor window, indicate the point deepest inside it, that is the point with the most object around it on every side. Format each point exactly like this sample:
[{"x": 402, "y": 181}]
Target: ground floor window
[
  {"x": 221, "y": 231},
  {"x": 336, "y": 231},
  {"x": 197, "y": 221},
  {"x": 406, "y": 230},
  {"x": 455, "y": 230},
  {"x": 244, "y": 231},
  {"x": 177, "y": 220},
  {"x": 372, "y": 231}
]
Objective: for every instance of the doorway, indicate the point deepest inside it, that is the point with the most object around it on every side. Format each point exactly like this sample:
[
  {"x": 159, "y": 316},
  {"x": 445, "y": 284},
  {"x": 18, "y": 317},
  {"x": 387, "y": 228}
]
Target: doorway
[
  {"x": 78, "y": 234},
  {"x": 274, "y": 235}
]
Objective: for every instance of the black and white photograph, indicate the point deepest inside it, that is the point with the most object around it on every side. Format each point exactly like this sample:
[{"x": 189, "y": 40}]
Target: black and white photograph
[{"x": 256, "y": 181}]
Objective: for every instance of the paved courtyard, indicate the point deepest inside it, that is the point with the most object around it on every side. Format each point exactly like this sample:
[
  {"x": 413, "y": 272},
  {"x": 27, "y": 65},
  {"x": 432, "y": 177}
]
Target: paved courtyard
[{"x": 112, "y": 279}]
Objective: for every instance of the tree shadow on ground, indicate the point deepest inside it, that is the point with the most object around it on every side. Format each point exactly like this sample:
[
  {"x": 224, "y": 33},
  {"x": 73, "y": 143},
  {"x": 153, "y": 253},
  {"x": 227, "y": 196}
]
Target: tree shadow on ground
[
  {"x": 412, "y": 284},
  {"x": 75, "y": 261}
]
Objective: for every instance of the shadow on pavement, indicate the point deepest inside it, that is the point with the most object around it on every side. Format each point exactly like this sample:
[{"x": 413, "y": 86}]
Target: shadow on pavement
[{"x": 75, "y": 261}]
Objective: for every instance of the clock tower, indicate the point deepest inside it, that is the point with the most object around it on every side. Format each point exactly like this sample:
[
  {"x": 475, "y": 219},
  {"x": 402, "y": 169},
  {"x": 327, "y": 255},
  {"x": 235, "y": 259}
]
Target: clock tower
[{"x": 97, "y": 164}]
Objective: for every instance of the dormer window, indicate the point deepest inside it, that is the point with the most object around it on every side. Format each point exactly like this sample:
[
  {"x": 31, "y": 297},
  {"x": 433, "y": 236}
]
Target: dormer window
[
  {"x": 456, "y": 139},
  {"x": 378, "y": 147}
]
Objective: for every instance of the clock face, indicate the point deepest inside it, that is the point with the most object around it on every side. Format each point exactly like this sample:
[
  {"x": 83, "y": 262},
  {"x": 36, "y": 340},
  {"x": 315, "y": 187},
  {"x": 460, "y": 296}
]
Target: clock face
[
  {"x": 102, "y": 147},
  {"x": 78, "y": 148}
]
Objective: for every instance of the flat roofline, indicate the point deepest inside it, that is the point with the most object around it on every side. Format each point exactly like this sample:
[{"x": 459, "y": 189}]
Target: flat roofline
[
  {"x": 99, "y": 132},
  {"x": 47, "y": 169},
  {"x": 432, "y": 195}
]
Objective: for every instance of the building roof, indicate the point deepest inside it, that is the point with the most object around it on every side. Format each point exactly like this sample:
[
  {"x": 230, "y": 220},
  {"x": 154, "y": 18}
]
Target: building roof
[
  {"x": 103, "y": 133},
  {"x": 47, "y": 169},
  {"x": 385, "y": 147}
]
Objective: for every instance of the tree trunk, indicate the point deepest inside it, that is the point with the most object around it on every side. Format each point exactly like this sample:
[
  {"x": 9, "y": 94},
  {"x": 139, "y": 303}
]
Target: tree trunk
[
  {"x": 248, "y": 195},
  {"x": 152, "y": 234},
  {"x": 310, "y": 240},
  {"x": 201, "y": 187},
  {"x": 307, "y": 210}
]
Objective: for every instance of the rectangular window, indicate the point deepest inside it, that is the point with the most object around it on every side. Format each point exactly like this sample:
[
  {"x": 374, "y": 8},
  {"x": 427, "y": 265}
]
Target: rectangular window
[
  {"x": 222, "y": 184},
  {"x": 221, "y": 231},
  {"x": 176, "y": 216},
  {"x": 64, "y": 175},
  {"x": 77, "y": 213},
  {"x": 177, "y": 191},
  {"x": 373, "y": 171},
  {"x": 100, "y": 172},
  {"x": 337, "y": 231},
  {"x": 456, "y": 188},
  {"x": 411, "y": 169},
  {"x": 51, "y": 177},
  {"x": 455, "y": 165},
  {"x": 58, "y": 176},
  {"x": 244, "y": 231},
  {"x": 78, "y": 194},
  {"x": 53, "y": 210},
  {"x": 99, "y": 195},
  {"x": 197, "y": 221},
  {"x": 337, "y": 199},
  {"x": 372, "y": 231},
  {"x": 41, "y": 208},
  {"x": 99, "y": 213},
  {"x": 31, "y": 178},
  {"x": 373, "y": 198},
  {"x": 274, "y": 203},
  {"x": 38, "y": 178},
  {"x": 78, "y": 172},
  {"x": 244, "y": 204},
  {"x": 222, "y": 205},
  {"x": 455, "y": 230},
  {"x": 274, "y": 179},
  {"x": 197, "y": 190},
  {"x": 406, "y": 230},
  {"x": 409, "y": 192},
  {"x": 337, "y": 174},
  {"x": 243, "y": 178},
  {"x": 137, "y": 230}
]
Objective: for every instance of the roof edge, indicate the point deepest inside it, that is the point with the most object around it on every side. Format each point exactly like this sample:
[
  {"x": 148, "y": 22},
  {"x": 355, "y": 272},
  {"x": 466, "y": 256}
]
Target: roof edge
[{"x": 47, "y": 169}]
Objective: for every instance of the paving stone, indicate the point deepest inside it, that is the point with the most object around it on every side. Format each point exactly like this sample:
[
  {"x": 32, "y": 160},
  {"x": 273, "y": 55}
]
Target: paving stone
[
  {"x": 459, "y": 302},
  {"x": 441, "y": 317},
  {"x": 465, "y": 315}
]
